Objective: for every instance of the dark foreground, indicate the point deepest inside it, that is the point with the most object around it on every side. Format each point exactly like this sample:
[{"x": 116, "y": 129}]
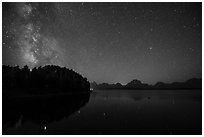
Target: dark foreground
[{"x": 106, "y": 112}]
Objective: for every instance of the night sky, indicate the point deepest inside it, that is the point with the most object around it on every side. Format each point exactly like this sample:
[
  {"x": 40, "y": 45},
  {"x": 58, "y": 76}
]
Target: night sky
[{"x": 106, "y": 42}]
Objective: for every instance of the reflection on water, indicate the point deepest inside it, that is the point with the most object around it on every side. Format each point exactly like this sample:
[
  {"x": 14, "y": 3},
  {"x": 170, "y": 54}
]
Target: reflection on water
[
  {"x": 107, "y": 112},
  {"x": 40, "y": 110}
]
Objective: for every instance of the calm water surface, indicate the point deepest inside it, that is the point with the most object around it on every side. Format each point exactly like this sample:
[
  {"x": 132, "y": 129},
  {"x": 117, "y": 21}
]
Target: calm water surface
[{"x": 107, "y": 112}]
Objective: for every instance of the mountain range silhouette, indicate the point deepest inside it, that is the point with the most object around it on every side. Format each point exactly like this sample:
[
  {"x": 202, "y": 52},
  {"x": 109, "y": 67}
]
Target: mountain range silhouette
[{"x": 194, "y": 83}]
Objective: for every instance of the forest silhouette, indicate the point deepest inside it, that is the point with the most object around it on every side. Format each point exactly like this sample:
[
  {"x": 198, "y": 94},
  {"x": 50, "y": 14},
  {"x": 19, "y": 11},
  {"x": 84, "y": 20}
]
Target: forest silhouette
[{"x": 47, "y": 79}]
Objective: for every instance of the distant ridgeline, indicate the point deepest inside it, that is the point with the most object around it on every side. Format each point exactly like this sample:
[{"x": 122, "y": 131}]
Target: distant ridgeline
[
  {"x": 136, "y": 84},
  {"x": 47, "y": 79}
]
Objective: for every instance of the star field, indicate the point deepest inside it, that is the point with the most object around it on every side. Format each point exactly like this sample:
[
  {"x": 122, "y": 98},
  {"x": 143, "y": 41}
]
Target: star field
[{"x": 107, "y": 42}]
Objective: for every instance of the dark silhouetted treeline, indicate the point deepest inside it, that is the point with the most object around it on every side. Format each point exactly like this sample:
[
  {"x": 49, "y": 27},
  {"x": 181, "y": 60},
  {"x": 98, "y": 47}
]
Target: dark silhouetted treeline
[
  {"x": 193, "y": 83},
  {"x": 47, "y": 79}
]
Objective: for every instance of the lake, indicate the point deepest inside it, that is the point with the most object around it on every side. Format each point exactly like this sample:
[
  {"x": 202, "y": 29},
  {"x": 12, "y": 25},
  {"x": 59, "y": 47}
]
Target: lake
[{"x": 106, "y": 112}]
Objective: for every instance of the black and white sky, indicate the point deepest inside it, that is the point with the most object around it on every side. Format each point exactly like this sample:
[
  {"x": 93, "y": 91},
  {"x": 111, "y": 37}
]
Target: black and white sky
[{"x": 106, "y": 42}]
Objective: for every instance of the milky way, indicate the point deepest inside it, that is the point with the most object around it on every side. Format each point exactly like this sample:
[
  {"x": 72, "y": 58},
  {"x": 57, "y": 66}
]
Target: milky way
[
  {"x": 35, "y": 48},
  {"x": 106, "y": 42}
]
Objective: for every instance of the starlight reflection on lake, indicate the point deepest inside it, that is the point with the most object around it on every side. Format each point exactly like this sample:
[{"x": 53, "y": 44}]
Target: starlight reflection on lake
[{"x": 107, "y": 112}]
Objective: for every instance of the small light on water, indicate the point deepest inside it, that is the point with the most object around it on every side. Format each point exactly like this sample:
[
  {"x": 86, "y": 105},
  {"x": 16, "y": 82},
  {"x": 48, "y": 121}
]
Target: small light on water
[
  {"x": 173, "y": 102},
  {"x": 45, "y": 127},
  {"x": 79, "y": 111},
  {"x": 104, "y": 114}
]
